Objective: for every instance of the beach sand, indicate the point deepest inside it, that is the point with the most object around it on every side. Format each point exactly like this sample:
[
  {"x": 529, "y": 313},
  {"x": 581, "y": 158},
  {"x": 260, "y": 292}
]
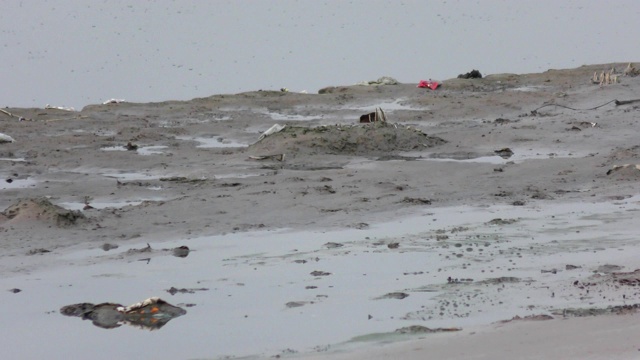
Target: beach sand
[{"x": 476, "y": 202}]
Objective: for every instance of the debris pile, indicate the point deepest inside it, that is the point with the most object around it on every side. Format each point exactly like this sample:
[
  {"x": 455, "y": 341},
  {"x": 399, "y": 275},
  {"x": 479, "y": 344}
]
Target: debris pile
[
  {"x": 473, "y": 74},
  {"x": 150, "y": 314},
  {"x": 385, "y": 80},
  {"x": 377, "y": 115}
]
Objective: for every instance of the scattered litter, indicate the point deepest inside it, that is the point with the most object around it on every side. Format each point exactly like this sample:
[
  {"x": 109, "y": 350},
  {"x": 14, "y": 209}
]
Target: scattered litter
[
  {"x": 419, "y": 329},
  {"x": 38, "y": 251},
  {"x": 500, "y": 221},
  {"x": 107, "y": 246},
  {"x": 377, "y": 115},
  {"x": 429, "y": 84},
  {"x": 181, "y": 251},
  {"x": 294, "y": 304},
  {"x": 272, "y": 130},
  {"x": 416, "y": 201},
  {"x": 504, "y": 153},
  {"x": 319, "y": 273},
  {"x": 625, "y": 102},
  {"x": 279, "y": 157},
  {"x": 20, "y": 118},
  {"x": 633, "y": 167},
  {"x": 284, "y": 90},
  {"x": 473, "y": 74},
  {"x": 540, "y": 317},
  {"x": 631, "y": 71},
  {"x": 131, "y": 147},
  {"x": 605, "y": 78},
  {"x": 141, "y": 250},
  {"x": 65, "y": 108},
  {"x": 332, "y": 245},
  {"x": 551, "y": 271},
  {"x": 150, "y": 314},
  {"x": 114, "y": 101},
  {"x": 4, "y": 138},
  {"x": 385, "y": 80},
  {"x": 393, "y": 295},
  {"x": 174, "y": 290},
  {"x": 617, "y": 102}
]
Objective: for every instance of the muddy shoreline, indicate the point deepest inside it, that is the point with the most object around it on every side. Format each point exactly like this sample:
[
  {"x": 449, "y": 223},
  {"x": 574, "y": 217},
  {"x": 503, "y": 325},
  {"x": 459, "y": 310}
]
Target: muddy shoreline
[{"x": 465, "y": 186}]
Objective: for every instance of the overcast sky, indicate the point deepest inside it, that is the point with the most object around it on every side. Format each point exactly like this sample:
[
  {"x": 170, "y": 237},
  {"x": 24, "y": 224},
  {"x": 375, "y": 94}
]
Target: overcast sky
[{"x": 74, "y": 53}]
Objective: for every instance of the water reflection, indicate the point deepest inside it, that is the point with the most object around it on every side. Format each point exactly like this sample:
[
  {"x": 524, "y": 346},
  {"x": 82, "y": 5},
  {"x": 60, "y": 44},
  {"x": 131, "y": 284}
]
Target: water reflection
[{"x": 150, "y": 314}]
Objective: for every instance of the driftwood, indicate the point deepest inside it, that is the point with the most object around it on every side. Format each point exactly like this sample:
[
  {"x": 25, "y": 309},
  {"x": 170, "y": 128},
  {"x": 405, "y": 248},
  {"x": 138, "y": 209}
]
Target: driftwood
[
  {"x": 13, "y": 115},
  {"x": 617, "y": 102},
  {"x": 625, "y": 102}
]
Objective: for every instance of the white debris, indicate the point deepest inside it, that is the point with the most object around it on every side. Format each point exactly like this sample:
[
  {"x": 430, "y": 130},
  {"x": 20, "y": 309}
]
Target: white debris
[
  {"x": 65, "y": 108},
  {"x": 4, "y": 138},
  {"x": 385, "y": 80},
  {"x": 114, "y": 101},
  {"x": 149, "y": 301},
  {"x": 272, "y": 130}
]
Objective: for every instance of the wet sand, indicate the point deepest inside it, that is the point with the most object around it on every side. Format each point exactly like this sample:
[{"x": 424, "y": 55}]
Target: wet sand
[{"x": 473, "y": 204}]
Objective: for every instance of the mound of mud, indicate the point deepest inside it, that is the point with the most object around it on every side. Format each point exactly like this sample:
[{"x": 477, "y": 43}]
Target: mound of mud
[
  {"x": 373, "y": 139},
  {"x": 625, "y": 172},
  {"x": 42, "y": 210}
]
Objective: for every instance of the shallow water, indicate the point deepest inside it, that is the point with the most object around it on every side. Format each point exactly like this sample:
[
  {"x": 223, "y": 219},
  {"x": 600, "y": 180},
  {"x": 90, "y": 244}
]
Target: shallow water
[
  {"x": 519, "y": 155},
  {"x": 17, "y": 184},
  {"x": 389, "y": 106},
  {"x": 106, "y": 204},
  {"x": 213, "y": 142},
  {"x": 143, "y": 150},
  {"x": 252, "y": 277}
]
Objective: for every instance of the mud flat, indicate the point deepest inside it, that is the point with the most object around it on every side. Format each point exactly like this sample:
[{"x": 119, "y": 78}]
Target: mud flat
[{"x": 511, "y": 197}]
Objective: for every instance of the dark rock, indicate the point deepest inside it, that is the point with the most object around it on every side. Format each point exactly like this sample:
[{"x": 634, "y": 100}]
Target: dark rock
[{"x": 473, "y": 74}]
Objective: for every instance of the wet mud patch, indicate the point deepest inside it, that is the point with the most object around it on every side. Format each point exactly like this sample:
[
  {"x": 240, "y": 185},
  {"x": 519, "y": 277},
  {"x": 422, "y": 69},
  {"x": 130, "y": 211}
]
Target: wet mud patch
[
  {"x": 597, "y": 311},
  {"x": 375, "y": 139},
  {"x": 402, "y": 333}
]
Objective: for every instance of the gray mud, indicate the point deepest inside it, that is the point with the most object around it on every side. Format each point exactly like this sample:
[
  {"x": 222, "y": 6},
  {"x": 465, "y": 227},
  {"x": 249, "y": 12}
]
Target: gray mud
[{"x": 359, "y": 230}]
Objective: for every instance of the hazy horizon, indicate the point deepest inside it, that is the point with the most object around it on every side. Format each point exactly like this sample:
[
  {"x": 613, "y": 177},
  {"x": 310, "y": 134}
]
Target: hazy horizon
[{"x": 74, "y": 53}]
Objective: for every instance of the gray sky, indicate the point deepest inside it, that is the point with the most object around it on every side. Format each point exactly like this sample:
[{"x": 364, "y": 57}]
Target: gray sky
[{"x": 74, "y": 53}]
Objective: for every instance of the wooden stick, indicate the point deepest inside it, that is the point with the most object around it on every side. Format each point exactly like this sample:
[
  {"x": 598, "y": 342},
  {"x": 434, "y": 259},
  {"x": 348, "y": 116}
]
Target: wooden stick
[
  {"x": 624, "y": 102},
  {"x": 13, "y": 115}
]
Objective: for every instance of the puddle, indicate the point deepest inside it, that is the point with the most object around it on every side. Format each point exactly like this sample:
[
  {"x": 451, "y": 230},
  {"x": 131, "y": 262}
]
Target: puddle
[
  {"x": 531, "y": 88},
  {"x": 519, "y": 155},
  {"x": 17, "y": 184},
  {"x": 105, "y": 204},
  {"x": 214, "y": 142},
  {"x": 272, "y": 292},
  {"x": 288, "y": 117},
  {"x": 237, "y": 176},
  {"x": 133, "y": 176},
  {"x": 151, "y": 150},
  {"x": 143, "y": 150},
  {"x": 388, "y": 107}
]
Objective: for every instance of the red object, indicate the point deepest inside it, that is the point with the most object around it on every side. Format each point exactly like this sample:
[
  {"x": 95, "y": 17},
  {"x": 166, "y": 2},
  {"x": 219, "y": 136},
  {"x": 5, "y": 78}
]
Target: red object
[{"x": 428, "y": 84}]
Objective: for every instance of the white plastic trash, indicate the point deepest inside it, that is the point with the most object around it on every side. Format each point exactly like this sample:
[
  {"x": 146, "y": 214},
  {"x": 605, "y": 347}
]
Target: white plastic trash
[
  {"x": 4, "y": 138},
  {"x": 272, "y": 130}
]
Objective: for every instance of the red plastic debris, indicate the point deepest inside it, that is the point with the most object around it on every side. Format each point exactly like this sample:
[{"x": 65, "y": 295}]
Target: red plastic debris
[{"x": 428, "y": 84}]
